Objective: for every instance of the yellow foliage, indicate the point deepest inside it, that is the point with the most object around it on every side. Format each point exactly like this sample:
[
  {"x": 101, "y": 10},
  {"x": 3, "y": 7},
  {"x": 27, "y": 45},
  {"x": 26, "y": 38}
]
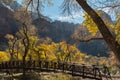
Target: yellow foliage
[
  {"x": 91, "y": 26},
  {"x": 89, "y": 23},
  {"x": 9, "y": 36},
  {"x": 86, "y": 56},
  {"x": 23, "y": 16},
  {"x": 18, "y": 56},
  {"x": 4, "y": 56},
  {"x": 117, "y": 28},
  {"x": 102, "y": 62},
  {"x": 22, "y": 9},
  {"x": 59, "y": 51}
]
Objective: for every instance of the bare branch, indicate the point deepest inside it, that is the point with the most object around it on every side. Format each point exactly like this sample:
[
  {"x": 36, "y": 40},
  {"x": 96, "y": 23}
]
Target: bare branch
[
  {"x": 29, "y": 2},
  {"x": 88, "y": 40},
  {"x": 69, "y": 7}
]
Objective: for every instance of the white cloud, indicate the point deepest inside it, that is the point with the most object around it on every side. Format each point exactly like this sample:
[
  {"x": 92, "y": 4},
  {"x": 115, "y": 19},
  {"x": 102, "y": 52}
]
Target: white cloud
[{"x": 74, "y": 16}]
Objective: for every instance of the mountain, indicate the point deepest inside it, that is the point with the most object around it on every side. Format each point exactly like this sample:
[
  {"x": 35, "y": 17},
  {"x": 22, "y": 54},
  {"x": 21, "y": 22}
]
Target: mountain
[
  {"x": 105, "y": 17},
  {"x": 13, "y": 5},
  {"x": 94, "y": 47},
  {"x": 8, "y": 25},
  {"x": 57, "y": 31}
]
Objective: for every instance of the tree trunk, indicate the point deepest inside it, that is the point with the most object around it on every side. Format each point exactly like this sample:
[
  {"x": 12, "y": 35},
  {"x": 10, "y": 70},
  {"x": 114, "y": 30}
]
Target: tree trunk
[
  {"x": 24, "y": 72},
  {"x": 108, "y": 37},
  {"x": 24, "y": 62}
]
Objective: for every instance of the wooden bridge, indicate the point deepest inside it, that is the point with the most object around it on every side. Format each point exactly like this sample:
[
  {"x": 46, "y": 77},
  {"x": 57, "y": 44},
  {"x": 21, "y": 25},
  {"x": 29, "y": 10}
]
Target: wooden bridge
[{"x": 75, "y": 69}]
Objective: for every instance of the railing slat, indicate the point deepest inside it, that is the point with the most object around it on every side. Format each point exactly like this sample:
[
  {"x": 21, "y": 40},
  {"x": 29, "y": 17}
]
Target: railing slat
[{"x": 93, "y": 72}]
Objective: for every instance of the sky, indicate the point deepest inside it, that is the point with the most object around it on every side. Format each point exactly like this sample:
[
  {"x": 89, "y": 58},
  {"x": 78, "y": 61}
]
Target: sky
[{"x": 54, "y": 12}]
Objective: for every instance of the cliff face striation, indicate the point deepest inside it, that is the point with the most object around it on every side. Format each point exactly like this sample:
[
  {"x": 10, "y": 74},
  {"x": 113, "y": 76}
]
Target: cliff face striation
[
  {"x": 57, "y": 31},
  {"x": 8, "y": 25}
]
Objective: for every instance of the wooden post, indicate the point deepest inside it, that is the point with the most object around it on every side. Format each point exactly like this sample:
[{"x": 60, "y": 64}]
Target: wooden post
[
  {"x": 63, "y": 66},
  {"x": 94, "y": 71},
  {"x": 9, "y": 64},
  {"x": 6, "y": 65},
  {"x": 106, "y": 72},
  {"x": 46, "y": 65},
  {"x": 83, "y": 70},
  {"x": 18, "y": 64},
  {"x": 34, "y": 63},
  {"x": 0, "y": 65},
  {"x": 55, "y": 65},
  {"x": 40, "y": 65},
  {"x": 73, "y": 69},
  {"x": 13, "y": 63},
  {"x": 100, "y": 76}
]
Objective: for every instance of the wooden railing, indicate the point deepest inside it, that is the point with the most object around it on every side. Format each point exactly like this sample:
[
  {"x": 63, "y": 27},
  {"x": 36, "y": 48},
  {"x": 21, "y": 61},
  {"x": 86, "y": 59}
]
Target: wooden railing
[{"x": 75, "y": 69}]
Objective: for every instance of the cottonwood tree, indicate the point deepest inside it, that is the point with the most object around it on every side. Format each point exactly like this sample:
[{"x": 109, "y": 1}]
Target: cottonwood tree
[
  {"x": 102, "y": 27},
  {"x": 26, "y": 35},
  {"x": 107, "y": 35},
  {"x": 12, "y": 49},
  {"x": 23, "y": 32},
  {"x": 70, "y": 5},
  {"x": 82, "y": 34}
]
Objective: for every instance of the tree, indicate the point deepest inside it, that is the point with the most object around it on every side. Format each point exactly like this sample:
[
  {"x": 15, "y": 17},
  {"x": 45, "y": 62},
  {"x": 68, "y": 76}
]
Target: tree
[
  {"x": 117, "y": 28},
  {"x": 12, "y": 49},
  {"x": 107, "y": 35},
  {"x": 4, "y": 56},
  {"x": 82, "y": 34},
  {"x": 27, "y": 35}
]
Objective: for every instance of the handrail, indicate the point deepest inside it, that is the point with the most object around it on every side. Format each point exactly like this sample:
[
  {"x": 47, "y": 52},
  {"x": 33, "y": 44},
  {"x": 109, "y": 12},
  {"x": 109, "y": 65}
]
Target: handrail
[{"x": 75, "y": 69}]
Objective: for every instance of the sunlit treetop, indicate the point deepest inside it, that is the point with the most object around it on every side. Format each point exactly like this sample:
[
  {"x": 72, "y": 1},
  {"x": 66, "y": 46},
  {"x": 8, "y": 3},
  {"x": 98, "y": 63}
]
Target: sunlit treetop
[
  {"x": 92, "y": 27},
  {"x": 117, "y": 28}
]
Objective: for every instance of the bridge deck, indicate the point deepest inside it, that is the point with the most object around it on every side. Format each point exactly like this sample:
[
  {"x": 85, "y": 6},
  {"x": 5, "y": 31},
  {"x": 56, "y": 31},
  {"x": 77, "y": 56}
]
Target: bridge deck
[{"x": 92, "y": 72}]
